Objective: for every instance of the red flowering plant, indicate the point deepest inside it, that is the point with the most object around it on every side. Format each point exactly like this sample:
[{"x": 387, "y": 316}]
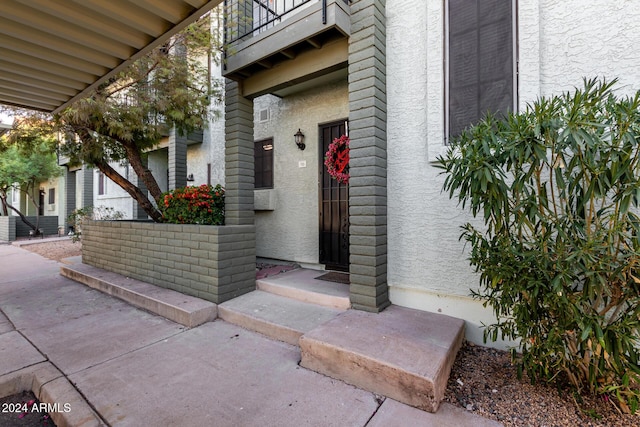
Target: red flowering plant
[
  {"x": 194, "y": 205},
  {"x": 337, "y": 159}
]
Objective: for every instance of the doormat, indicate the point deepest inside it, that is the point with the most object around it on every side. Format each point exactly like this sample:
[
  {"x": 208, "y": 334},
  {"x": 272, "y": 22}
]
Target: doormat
[{"x": 335, "y": 276}]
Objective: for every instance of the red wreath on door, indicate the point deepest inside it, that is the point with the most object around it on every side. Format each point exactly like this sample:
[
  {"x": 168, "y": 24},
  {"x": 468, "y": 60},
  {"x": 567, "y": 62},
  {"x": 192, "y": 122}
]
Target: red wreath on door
[{"x": 337, "y": 159}]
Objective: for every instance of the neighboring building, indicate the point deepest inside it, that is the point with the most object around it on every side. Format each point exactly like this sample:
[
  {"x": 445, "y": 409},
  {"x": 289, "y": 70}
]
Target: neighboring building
[
  {"x": 47, "y": 194},
  {"x": 202, "y": 162},
  {"x": 174, "y": 162},
  {"x": 399, "y": 76}
]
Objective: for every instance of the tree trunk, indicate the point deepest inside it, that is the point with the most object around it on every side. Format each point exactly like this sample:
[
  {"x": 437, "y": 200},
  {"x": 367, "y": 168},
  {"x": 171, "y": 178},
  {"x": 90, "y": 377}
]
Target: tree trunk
[
  {"x": 133, "y": 191},
  {"x": 3, "y": 200},
  {"x": 136, "y": 162},
  {"x": 143, "y": 172}
]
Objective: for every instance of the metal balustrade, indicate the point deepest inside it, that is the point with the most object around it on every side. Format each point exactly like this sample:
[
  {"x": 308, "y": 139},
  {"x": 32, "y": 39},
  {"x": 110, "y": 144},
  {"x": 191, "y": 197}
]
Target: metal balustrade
[{"x": 248, "y": 18}]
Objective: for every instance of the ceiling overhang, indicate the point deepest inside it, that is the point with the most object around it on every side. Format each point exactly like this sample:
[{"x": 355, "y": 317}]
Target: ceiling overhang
[{"x": 53, "y": 52}]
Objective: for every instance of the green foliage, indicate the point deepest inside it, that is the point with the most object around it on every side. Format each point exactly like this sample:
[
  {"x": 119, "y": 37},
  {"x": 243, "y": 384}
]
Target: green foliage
[
  {"x": 194, "y": 205},
  {"x": 97, "y": 213},
  {"x": 168, "y": 87},
  {"x": 125, "y": 117},
  {"x": 26, "y": 158},
  {"x": 27, "y": 166},
  {"x": 558, "y": 188}
]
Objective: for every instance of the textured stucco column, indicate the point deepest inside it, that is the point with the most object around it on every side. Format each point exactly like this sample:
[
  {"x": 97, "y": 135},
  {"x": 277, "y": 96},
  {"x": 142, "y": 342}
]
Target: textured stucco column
[
  {"x": 69, "y": 196},
  {"x": 177, "y": 160},
  {"x": 368, "y": 156},
  {"x": 239, "y": 167}
]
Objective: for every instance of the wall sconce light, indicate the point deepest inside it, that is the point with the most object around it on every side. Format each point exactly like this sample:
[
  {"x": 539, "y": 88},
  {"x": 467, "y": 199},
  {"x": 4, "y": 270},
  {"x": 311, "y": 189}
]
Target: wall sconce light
[
  {"x": 299, "y": 138},
  {"x": 190, "y": 178}
]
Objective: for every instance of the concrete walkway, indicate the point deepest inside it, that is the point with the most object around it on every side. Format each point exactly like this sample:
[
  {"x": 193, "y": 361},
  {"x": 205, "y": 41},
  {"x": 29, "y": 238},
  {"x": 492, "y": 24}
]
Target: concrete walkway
[{"x": 118, "y": 365}]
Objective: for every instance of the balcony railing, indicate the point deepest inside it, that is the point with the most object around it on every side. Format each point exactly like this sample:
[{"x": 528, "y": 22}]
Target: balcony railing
[
  {"x": 248, "y": 18},
  {"x": 261, "y": 35}
]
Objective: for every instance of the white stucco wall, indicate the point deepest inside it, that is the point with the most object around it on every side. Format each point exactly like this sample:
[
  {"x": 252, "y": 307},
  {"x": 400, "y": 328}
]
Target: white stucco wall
[
  {"x": 595, "y": 38},
  {"x": 290, "y": 231},
  {"x": 559, "y": 43},
  {"x": 79, "y": 176},
  {"x": 114, "y": 196},
  {"x": 211, "y": 151},
  {"x": 58, "y": 206},
  {"x": 427, "y": 268},
  {"x": 158, "y": 164}
]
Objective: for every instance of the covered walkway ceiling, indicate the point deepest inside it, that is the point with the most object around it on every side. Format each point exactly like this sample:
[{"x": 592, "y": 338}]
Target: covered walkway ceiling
[{"x": 54, "y": 51}]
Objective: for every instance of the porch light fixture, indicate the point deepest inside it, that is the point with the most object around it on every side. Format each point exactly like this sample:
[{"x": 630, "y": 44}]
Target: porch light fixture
[{"x": 299, "y": 138}]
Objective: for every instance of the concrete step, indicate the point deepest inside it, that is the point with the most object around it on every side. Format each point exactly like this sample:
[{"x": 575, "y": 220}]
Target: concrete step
[
  {"x": 180, "y": 308},
  {"x": 400, "y": 353},
  {"x": 301, "y": 284},
  {"x": 277, "y": 317}
]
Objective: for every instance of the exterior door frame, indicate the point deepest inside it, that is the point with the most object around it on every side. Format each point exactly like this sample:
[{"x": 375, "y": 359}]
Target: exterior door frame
[{"x": 343, "y": 264}]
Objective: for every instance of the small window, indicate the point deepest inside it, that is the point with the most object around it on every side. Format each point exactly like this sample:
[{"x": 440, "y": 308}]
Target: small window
[
  {"x": 52, "y": 196},
  {"x": 481, "y": 76},
  {"x": 263, "y": 157},
  {"x": 102, "y": 187}
]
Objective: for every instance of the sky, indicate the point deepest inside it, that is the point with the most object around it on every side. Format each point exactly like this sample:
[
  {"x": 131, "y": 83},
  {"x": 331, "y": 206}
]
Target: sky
[{"x": 6, "y": 119}]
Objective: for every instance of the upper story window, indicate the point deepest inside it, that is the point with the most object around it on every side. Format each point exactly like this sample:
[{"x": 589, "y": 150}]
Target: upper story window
[
  {"x": 263, "y": 166},
  {"x": 52, "y": 196},
  {"x": 102, "y": 184},
  {"x": 481, "y": 61}
]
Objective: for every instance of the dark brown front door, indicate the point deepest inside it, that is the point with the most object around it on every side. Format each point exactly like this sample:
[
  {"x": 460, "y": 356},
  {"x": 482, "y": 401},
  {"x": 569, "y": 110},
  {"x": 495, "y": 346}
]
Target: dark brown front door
[
  {"x": 41, "y": 203},
  {"x": 334, "y": 207}
]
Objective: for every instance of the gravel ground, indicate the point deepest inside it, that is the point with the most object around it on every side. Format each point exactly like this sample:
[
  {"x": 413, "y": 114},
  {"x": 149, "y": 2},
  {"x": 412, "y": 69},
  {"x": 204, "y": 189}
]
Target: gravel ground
[
  {"x": 56, "y": 250},
  {"x": 482, "y": 380}
]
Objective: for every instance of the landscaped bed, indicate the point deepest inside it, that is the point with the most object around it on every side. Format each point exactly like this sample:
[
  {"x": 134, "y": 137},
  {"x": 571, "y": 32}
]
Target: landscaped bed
[{"x": 56, "y": 250}]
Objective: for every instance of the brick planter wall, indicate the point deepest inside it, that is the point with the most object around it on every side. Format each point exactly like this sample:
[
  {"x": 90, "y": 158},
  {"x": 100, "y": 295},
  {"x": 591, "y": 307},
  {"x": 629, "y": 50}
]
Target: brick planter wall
[
  {"x": 216, "y": 263},
  {"x": 49, "y": 224},
  {"x": 12, "y": 227},
  {"x": 7, "y": 228}
]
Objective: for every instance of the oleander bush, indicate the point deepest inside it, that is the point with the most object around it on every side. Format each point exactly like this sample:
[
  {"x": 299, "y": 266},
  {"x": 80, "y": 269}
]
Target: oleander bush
[
  {"x": 557, "y": 188},
  {"x": 194, "y": 205}
]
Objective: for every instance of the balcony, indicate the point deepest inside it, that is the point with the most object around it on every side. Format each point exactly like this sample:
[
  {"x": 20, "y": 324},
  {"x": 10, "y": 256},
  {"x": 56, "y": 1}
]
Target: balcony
[{"x": 278, "y": 46}]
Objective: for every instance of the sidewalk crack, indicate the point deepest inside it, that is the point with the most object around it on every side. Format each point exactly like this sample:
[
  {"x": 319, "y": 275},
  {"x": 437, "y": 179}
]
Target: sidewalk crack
[{"x": 380, "y": 400}]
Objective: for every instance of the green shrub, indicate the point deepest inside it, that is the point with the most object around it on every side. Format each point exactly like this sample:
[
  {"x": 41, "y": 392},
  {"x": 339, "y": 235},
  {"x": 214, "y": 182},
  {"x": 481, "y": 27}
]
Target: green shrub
[
  {"x": 194, "y": 205},
  {"x": 558, "y": 188},
  {"x": 98, "y": 213}
]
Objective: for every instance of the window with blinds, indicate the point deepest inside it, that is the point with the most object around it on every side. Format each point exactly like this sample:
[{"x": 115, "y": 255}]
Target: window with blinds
[
  {"x": 480, "y": 37},
  {"x": 263, "y": 163},
  {"x": 102, "y": 190}
]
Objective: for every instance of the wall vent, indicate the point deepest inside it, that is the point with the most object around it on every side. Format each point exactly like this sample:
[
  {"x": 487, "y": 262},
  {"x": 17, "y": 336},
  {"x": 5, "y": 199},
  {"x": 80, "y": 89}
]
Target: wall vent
[{"x": 263, "y": 115}]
